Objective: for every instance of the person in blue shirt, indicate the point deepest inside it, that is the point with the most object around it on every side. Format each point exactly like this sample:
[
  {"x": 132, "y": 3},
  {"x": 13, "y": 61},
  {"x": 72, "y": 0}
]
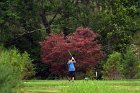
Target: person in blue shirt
[{"x": 71, "y": 69}]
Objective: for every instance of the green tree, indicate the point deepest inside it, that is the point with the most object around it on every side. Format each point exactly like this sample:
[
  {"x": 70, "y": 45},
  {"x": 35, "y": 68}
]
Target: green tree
[
  {"x": 23, "y": 23},
  {"x": 116, "y": 31}
]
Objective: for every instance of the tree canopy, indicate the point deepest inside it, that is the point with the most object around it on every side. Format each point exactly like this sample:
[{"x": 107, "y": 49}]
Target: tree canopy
[
  {"x": 25, "y": 23},
  {"x": 82, "y": 44}
]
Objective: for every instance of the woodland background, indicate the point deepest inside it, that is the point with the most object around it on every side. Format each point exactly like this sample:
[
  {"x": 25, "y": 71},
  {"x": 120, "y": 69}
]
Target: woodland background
[{"x": 26, "y": 24}]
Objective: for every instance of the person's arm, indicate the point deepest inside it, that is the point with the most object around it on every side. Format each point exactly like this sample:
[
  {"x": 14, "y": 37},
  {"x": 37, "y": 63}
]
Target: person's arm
[
  {"x": 68, "y": 62},
  {"x": 73, "y": 59}
]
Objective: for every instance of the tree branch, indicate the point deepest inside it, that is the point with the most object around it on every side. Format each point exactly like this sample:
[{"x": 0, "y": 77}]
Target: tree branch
[
  {"x": 21, "y": 35},
  {"x": 53, "y": 18}
]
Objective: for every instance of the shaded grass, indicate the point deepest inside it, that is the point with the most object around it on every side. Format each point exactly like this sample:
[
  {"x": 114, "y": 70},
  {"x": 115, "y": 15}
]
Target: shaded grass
[
  {"x": 81, "y": 86},
  {"x": 43, "y": 86}
]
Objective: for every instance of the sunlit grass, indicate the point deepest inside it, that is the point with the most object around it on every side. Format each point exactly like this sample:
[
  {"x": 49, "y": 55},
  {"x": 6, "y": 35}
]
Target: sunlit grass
[
  {"x": 81, "y": 86},
  {"x": 103, "y": 87}
]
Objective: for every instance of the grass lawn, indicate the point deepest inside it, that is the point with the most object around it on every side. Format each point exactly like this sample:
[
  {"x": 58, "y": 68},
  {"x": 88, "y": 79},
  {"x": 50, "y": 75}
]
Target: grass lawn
[{"x": 81, "y": 86}]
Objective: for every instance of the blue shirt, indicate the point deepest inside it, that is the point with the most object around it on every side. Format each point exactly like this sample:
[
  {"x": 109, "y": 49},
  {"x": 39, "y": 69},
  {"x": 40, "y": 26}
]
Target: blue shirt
[{"x": 71, "y": 66}]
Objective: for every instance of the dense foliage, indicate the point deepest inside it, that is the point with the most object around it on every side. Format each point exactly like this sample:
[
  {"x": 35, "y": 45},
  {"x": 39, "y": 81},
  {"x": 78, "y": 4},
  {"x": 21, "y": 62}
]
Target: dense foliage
[
  {"x": 113, "y": 67},
  {"x": 120, "y": 65},
  {"x": 14, "y": 67},
  {"x": 131, "y": 62},
  {"x": 24, "y": 23},
  {"x": 9, "y": 78},
  {"x": 82, "y": 43}
]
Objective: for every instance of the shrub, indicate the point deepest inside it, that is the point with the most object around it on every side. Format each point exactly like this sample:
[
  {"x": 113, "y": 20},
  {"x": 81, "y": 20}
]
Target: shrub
[
  {"x": 82, "y": 43},
  {"x": 9, "y": 78},
  {"x": 131, "y": 63},
  {"x": 13, "y": 67},
  {"x": 113, "y": 68},
  {"x": 28, "y": 70}
]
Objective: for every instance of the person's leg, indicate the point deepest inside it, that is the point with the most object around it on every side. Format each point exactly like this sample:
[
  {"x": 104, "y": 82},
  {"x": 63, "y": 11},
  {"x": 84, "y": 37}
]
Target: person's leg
[
  {"x": 72, "y": 78},
  {"x": 73, "y": 75},
  {"x": 69, "y": 76}
]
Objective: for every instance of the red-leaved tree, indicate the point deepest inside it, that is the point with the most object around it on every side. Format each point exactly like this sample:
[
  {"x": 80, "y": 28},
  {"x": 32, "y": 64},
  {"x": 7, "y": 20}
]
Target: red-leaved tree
[{"x": 83, "y": 44}]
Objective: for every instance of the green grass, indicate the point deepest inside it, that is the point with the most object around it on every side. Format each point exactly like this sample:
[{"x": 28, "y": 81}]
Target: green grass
[{"x": 81, "y": 86}]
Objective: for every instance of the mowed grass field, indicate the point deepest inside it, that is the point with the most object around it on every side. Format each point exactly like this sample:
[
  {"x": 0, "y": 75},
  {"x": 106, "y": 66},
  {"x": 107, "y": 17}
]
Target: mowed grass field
[{"x": 82, "y": 86}]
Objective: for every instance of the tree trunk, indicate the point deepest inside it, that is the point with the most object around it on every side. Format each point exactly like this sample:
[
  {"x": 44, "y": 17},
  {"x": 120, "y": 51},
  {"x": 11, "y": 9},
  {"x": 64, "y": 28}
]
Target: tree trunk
[{"x": 45, "y": 22}]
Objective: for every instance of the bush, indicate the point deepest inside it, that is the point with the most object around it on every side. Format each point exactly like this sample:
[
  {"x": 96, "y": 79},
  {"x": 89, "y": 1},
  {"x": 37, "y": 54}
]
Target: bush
[
  {"x": 113, "y": 68},
  {"x": 131, "y": 63},
  {"x": 20, "y": 61},
  {"x": 14, "y": 66},
  {"x": 28, "y": 70},
  {"x": 9, "y": 78}
]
